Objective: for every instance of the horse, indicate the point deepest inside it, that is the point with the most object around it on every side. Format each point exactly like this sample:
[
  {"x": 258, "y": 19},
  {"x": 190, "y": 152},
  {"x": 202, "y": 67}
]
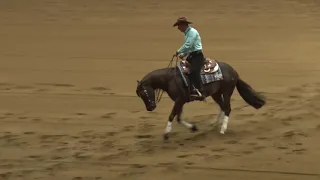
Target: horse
[{"x": 219, "y": 79}]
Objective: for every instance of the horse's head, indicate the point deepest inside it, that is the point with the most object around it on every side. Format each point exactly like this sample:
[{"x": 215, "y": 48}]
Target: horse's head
[{"x": 146, "y": 93}]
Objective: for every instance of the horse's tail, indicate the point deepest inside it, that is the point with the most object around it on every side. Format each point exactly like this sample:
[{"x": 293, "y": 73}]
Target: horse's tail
[{"x": 249, "y": 95}]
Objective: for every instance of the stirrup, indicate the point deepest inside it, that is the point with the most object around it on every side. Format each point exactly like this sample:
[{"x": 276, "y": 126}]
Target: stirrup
[{"x": 198, "y": 92}]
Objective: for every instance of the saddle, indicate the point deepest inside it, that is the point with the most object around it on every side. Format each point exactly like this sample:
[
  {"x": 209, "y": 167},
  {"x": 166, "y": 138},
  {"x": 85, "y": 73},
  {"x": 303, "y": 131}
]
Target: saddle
[{"x": 209, "y": 66}]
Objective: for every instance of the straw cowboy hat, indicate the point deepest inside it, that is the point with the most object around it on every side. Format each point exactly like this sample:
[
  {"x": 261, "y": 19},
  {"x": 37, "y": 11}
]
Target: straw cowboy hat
[{"x": 181, "y": 20}]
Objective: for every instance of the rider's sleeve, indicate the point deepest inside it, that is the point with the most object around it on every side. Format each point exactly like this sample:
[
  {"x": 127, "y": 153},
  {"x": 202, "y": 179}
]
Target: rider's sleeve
[{"x": 191, "y": 37}]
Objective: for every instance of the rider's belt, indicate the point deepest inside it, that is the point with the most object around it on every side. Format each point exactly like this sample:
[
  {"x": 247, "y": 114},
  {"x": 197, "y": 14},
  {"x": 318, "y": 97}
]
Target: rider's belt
[{"x": 196, "y": 52}]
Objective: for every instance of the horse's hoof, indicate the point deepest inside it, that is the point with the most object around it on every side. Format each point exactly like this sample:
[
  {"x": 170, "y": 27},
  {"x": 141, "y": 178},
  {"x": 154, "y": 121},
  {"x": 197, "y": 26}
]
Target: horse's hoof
[
  {"x": 223, "y": 129},
  {"x": 165, "y": 137},
  {"x": 194, "y": 128}
]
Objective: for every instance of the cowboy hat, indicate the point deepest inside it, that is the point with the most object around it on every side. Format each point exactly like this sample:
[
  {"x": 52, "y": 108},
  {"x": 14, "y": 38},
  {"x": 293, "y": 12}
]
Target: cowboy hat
[{"x": 181, "y": 20}]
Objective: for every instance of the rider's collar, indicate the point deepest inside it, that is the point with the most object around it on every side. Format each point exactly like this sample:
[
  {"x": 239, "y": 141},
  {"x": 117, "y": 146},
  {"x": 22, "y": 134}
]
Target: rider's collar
[{"x": 187, "y": 30}]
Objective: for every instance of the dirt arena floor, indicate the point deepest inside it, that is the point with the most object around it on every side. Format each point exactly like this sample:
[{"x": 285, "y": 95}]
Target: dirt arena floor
[{"x": 67, "y": 88}]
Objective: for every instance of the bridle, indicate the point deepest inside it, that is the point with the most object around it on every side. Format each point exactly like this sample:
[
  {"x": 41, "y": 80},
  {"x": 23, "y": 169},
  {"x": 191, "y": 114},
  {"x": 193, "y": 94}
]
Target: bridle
[
  {"x": 146, "y": 94},
  {"x": 142, "y": 90}
]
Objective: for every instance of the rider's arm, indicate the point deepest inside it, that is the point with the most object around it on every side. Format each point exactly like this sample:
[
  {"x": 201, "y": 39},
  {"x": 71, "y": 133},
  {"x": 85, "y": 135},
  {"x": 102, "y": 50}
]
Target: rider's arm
[{"x": 191, "y": 37}]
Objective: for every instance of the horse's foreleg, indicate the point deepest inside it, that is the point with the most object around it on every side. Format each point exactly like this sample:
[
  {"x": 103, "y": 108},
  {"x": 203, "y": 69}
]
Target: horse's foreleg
[
  {"x": 177, "y": 111},
  {"x": 188, "y": 125},
  {"x": 218, "y": 120},
  {"x": 169, "y": 126},
  {"x": 169, "y": 123}
]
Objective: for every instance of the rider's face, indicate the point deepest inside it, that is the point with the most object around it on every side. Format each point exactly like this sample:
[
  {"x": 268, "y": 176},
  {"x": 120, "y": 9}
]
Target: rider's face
[{"x": 182, "y": 27}]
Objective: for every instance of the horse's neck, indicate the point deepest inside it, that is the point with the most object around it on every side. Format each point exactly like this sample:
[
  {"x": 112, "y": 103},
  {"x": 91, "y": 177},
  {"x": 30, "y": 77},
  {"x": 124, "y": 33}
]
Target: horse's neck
[{"x": 159, "y": 79}]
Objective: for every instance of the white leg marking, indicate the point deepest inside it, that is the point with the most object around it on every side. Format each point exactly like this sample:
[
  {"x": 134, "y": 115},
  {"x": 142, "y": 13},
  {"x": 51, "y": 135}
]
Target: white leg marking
[
  {"x": 186, "y": 124},
  {"x": 218, "y": 119},
  {"x": 224, "y": 124},
  {"x": 169, "y": 127}
]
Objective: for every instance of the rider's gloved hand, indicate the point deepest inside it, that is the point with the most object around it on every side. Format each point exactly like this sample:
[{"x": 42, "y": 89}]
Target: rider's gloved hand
[{"x": 181, "y": 56}]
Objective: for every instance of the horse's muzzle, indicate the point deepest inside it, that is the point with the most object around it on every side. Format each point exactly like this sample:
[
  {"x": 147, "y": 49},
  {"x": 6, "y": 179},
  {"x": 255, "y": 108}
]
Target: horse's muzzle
[{"x": 152, "y": 106}]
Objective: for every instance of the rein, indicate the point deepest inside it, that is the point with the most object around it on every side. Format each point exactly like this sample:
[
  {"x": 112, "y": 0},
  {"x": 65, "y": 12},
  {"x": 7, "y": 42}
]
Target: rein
[{"x": 159, "y": 92}]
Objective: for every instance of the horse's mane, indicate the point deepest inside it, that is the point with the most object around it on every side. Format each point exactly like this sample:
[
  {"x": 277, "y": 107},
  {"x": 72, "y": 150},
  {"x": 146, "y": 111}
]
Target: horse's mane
[{"x": 157, "y": 72}]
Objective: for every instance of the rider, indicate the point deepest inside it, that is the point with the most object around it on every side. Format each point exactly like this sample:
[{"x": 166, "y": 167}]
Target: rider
[{"x": 193, "y": 48}]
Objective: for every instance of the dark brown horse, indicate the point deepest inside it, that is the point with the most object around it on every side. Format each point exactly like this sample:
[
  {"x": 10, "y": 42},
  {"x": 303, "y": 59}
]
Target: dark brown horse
[{"x": 219, "y": 81}]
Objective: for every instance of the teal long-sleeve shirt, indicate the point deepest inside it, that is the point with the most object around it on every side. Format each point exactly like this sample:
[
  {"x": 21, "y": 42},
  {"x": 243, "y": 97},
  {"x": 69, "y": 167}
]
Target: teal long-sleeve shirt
[{"x": 192, "y": 41}]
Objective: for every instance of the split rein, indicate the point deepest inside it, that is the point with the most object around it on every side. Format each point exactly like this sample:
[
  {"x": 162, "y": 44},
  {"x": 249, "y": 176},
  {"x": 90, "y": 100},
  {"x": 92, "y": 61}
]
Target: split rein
[{"x": 159, "y": 92}]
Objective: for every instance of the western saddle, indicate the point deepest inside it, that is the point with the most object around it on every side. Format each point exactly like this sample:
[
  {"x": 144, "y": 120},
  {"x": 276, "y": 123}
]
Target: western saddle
[{"x": 207, "y": 68}]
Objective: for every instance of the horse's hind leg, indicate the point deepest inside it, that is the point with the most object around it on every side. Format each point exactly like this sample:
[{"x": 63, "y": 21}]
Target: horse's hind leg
[
  {"x": 226, "y": 108},
  {"x": 219, "y": 100}
]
